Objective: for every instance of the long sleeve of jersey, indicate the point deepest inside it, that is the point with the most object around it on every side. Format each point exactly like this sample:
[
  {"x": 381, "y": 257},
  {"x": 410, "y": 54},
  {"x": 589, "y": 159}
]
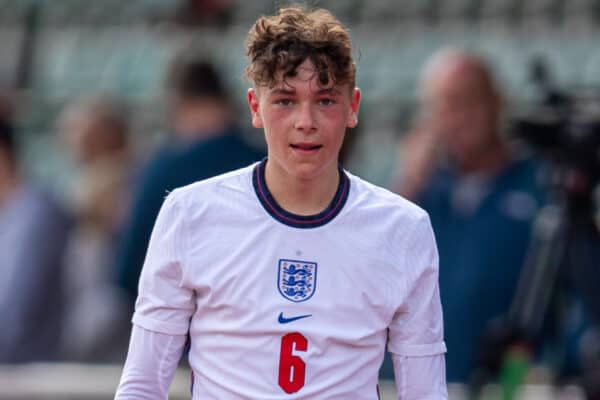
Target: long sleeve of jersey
[
  {"x": 420, "y": 378},
  {"x": 151, "y": 364},
  {"x": 416, "y": 333}
]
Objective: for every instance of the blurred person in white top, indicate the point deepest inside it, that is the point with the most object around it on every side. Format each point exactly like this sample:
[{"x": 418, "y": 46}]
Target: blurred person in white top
[
  {"x": 96, "y": 132},
  {"x": 290, "y": 276}
]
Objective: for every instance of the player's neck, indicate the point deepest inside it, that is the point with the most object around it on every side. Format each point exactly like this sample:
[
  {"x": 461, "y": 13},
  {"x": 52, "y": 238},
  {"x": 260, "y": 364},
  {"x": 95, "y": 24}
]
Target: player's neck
[{"x": 302, "y": 196}]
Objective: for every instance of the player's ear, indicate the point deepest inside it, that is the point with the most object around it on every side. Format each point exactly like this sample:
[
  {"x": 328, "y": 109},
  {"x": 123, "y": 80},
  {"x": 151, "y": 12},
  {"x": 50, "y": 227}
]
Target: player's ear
[
  {"x": 253, "y": 103},
  {"x": 354, "y": 106}
]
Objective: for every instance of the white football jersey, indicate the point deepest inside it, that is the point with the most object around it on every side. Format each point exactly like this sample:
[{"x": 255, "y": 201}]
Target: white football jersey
[{"x": 281, "y": 306}]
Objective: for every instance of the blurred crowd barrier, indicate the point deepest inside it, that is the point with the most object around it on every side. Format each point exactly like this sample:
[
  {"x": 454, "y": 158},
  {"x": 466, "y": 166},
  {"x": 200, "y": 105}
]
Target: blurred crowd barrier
[
  {"x": 58, "y": 381},
  {"x": 97, "y": 382}
]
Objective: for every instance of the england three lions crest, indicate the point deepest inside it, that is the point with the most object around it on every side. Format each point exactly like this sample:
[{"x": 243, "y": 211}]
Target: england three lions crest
[{"x": 297, "y": 280}]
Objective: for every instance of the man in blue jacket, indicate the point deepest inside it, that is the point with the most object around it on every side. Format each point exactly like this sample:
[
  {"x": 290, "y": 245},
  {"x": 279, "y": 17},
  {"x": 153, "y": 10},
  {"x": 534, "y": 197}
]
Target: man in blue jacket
[{"x": 481, "y": 195}]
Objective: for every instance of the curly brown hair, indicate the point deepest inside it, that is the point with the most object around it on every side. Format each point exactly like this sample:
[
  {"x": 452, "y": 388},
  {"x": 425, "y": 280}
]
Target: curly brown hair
[{"x": 280, "y": 43}]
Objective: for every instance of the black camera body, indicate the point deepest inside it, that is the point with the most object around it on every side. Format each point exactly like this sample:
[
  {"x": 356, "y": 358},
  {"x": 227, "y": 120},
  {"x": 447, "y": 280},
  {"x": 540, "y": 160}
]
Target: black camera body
[
  {"x": 568, "y": 135},
  {"x": 564, "y": 128}
]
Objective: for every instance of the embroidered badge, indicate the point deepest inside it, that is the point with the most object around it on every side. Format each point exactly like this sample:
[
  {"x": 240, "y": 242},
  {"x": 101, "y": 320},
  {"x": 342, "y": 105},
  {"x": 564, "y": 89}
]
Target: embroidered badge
[{"x": 297, "y": 280}]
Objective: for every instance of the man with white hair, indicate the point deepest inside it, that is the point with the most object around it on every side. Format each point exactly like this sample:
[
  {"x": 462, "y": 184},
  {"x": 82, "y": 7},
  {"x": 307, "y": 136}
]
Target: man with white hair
[{"x": 481, "y": 196}]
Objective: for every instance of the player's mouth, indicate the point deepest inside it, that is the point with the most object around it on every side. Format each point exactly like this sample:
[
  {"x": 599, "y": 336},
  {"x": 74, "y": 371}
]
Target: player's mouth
[{"x": 306, "y": 148}]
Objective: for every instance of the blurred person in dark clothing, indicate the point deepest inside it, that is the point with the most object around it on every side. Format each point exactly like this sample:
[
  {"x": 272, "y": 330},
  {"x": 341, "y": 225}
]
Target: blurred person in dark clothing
[
  {"x": 205, "y": 142},
  {"x": 481, "y": 196},
  {"x": 95, "y": 130},
  {"x": 33, "y": 234}
]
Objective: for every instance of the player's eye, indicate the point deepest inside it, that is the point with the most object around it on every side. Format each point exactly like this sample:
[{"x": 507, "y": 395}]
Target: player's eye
[
  {"x": 326, "y": 101},
  {"x": 284, "y": 102}
]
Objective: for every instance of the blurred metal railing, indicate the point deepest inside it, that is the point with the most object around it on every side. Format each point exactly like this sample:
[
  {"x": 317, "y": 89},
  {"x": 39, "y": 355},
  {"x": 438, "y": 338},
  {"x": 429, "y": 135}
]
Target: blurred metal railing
[{"x": 64, "y": 381}]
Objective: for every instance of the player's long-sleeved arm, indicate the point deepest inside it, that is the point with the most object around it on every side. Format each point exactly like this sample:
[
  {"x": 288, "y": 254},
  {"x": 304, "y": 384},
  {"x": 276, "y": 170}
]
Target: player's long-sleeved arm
[
  {"x": 416, "y": 334},
  {"x": 151, "y": 364},
  {"x": 420, "y": 378},
  {"x": 163, "y": 311}
]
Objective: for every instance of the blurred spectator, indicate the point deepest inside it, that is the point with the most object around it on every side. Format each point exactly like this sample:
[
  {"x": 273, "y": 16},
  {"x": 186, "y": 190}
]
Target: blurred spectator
[
  {"x": 480, "y": 194},
  {"x": 95, "y": 131},
  {"x": 206, "y": 142},
  {"x": 195, "y": 13},
  {"x": 33, "y": 234}
]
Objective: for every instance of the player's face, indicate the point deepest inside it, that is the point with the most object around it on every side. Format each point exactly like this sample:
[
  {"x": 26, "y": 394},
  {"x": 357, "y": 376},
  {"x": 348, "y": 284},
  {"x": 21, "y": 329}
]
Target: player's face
[{"x": 304, "y": 123}]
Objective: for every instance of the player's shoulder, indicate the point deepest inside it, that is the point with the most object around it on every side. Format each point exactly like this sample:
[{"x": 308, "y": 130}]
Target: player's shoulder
[
  {"x": 214, "y": 188},
  {"x": 371, "y": 196},
  {"x": 396, "y": 222}
]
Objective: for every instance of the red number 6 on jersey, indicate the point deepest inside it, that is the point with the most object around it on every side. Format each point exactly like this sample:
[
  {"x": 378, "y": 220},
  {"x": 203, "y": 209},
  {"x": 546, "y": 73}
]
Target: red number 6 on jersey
[{"x": 291, "y": 368}]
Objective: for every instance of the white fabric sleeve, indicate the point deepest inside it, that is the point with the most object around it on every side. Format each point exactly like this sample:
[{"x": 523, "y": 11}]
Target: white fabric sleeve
[
  {"x": 417, "y": 326},
  {"x": 164, "y": 303},
  {"x": 151, "y": 364},
  {"x": 420, "y": 378}
]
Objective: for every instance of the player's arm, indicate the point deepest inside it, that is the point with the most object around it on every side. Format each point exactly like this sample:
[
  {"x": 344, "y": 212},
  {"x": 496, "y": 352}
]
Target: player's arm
[
  {"x": 416, "y": 333},
  {"x": 151, "y": 364},
  {"x": 420, "y": 378},
  {"x": 163, "y": 310}
]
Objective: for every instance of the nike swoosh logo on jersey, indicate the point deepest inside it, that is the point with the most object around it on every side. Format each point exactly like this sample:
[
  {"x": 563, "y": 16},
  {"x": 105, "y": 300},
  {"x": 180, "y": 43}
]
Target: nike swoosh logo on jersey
[{"x": 284, "y": 320}]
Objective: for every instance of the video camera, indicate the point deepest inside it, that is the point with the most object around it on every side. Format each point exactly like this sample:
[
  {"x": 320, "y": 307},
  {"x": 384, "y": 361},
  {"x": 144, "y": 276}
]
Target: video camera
[{"x": 565, "y": 130}]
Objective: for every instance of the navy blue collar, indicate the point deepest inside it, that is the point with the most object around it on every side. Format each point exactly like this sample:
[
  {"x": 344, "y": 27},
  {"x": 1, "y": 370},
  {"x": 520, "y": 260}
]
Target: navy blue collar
[{"x": 294, "y": 220}]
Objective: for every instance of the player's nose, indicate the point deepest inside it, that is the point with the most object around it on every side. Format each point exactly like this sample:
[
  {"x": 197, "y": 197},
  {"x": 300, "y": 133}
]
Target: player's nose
[{"x": 305, "y": 118}]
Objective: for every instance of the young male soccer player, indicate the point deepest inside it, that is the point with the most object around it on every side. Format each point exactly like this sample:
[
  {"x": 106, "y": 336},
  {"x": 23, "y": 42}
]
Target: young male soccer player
[{"x": 289, "y": 276}]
